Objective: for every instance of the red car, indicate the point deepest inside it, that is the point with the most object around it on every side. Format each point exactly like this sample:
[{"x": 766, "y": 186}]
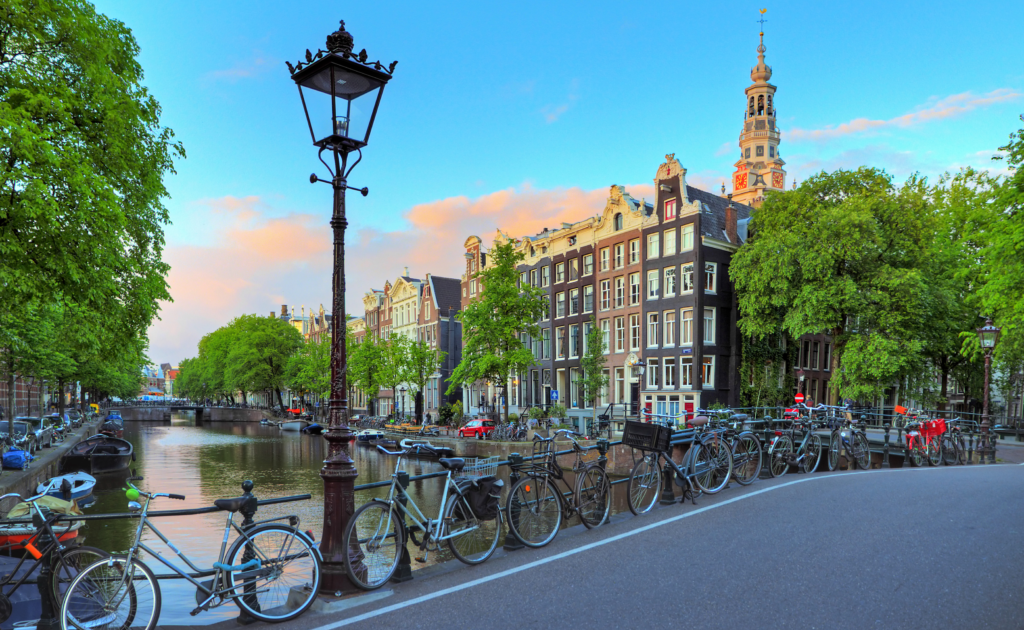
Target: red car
[{"x": 477, "y": 428}]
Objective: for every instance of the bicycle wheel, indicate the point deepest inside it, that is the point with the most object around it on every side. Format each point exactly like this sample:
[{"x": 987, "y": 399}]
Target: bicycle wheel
[
  {"x": 812, "y": 454},
  {"x": 934, "y": 452},
  {"x": 950, "y": 456},
  {"x": 778, "y": 456},
  {"x": 112, "y": 593},
  {"x": 644, "y": 485},
  {"x": 961, "y": 449},
  {"x": 915, "y": 454},
  {"x": 834, "y": 446},
  {"x": 712, "y": 466},
  {"x": 593, "y": 496},
  {"x": 534, "y": 511},
  {"x": 68, "y": 564},
  {"x": 861, "y": 451},
  {"x": 377, "y": 531},
  {"x": 746, "y": 458},
  {"x": 288, "y": 579},
  {"x": 473, "y": 540}
]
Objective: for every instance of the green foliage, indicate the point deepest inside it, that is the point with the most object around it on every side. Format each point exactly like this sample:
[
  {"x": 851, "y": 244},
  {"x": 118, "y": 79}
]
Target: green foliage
[
  {"x": 445, "y": 414},
  {"x": 392, "y": 369},
  {"x": 513, "y": 417},
  {"x": 759, "y": 372},
  {"x": 308, "y": 371},
  {"x": 364, "y": 360},
  {"x": 537, "y": 413},
  {"x": 593, "y": 380},
  {"x": 491, "y": 326},
  {"x": 421, "y": 361},
  {"x": 557, "y": 410}
]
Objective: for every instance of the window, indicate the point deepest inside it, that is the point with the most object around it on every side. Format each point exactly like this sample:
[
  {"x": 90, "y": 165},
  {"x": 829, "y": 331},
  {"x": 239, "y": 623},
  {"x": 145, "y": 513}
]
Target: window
[
  {"x": 618, "y": 222},
  {"x": 618, "y": 256},
  {"x": 814, "y": 359},
  {"x": 670, "y": 374},
  {"x": 560, "y": 305},
  {"x": 686, "y": 371},
  {"x": 620, "y": 291},
  {"x": 574, "y": 341},
  {"x": 686, "y": 238},
  {"x": 533, "y": 277},
  {"x": 606, "y": 335},
  {"x": 634, "y": 288},
  {"x": 652, "y": 284},
  {"x": 771, "y": 151},
  {"x": 652, "y": 330},
  {"x": 806, "y": 352},
  {"x": 670, "y": 209},
  {"x": 620, "y": 334},
  {"x": 653, "y": 245},
  {"x": 746, "y": 152},
  {"x": 463, "y": 291},
  {"x": 587, "y": 327},
  {"x": 669, "y": 324},
  {"x": 686, "y": 327},
  {"x": 605, "y": 257},
  {"x": 670, "y": 242},
  {"x": 537, "y": 350},
  {"x": 709, "y": 325},
  {"x": 560, "y": 272},
  {"x": 523, "y": 279},
  {"x": 574, "y": 269},
  {"x": 828, "y": 357},
  {"x": 574, "y": 302},
  {"x": 760, "y": 150},
  {"x": 588, "y": 264},
  {"x": 710, "y": 274},
  {"x": 472, "y": 287},
  {"x": 546, "y": 343},
  {"x": 547, "y": 308},
  {"x": 588, "y": 298},
  {"x": 560, "y": 342},
  {"x": 606, "y": 295},
  {"x": 670, "y": 281},
  {"x": 634, "y": 331},
  {"x": 708, "y": 375},
  {"x": 652, "y": 373},
  {"x": 545, "y": 276},
  {"x": 634, "y": 251},
  {"x": 687, "y": 278}
]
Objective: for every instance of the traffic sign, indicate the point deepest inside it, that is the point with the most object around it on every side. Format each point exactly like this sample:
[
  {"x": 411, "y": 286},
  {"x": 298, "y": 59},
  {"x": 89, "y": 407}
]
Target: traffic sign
[
  {"x": 554, "y": 394},
  {"x": 799, "y": 398}
]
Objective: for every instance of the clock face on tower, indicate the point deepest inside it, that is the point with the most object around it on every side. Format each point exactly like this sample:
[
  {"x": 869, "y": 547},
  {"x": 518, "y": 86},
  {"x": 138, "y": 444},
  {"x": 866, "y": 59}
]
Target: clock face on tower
[
  {"x": 739, "y": 181},
  {"x": 778, "y": 180}
]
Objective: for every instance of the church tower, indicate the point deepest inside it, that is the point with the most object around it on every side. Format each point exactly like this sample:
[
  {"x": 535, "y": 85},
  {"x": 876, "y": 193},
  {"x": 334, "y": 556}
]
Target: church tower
[{"x": 760, "y": 165}]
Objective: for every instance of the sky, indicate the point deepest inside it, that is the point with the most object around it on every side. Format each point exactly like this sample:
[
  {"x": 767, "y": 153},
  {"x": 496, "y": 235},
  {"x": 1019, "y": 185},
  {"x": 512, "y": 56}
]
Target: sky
[{"x": 520, "y": 115}]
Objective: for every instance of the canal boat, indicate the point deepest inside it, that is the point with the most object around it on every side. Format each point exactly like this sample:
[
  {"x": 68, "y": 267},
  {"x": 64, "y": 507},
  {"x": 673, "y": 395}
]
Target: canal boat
[
  {"x": 367, "y": 435},
  {"x": 113, "y": 427},
  {"x": 297, "y": 424},
  {"x": 426, "y": 450},
  {"x": 314, "y": 429},
  {"x": 13, "y": 536},
  {"x": 70, "y": 487},
  {"x": 98, "y": 454},
  {"x": 386, "y": 443}
]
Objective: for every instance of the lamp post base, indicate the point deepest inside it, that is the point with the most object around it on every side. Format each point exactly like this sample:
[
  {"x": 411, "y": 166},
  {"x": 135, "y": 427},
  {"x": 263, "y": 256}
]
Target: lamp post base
[{"x": 339, "y": 475}]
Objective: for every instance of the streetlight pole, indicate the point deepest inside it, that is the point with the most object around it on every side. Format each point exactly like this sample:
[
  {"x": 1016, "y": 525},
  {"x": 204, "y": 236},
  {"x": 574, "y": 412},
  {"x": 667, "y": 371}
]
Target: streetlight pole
[
  {"x": 342, "y": 77},
  {"x": 988, "y": 337}
]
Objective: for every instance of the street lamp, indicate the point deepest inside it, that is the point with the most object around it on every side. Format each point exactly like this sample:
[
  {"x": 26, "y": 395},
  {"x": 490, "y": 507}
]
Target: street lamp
[
  {"x": 402, "y": 390},
  {"x": 988, "y": 337},
  {"x": 340, "y": 93}
]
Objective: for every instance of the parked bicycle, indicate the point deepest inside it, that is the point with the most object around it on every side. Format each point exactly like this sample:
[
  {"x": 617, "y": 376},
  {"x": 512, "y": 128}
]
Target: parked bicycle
[
  {"x": 378, "y": 529},
  {"x": 536, "y": 507},
  {"x": 747, "y": 451},
  {"x": 271, "y": 572},
  {"x": 845, "y": 436},
  {"x": 783, "y": 449}
]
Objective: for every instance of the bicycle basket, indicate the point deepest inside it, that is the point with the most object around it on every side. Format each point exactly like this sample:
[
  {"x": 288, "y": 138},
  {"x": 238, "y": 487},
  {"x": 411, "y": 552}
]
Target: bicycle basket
[
  {"x": 933, "y": 428},
  {"x": 646, "y": 437},
  {"x": 479, "y": 467}
]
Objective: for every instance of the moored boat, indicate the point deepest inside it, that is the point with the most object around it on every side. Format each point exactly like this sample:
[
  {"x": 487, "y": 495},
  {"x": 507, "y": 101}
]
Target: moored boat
[
  {"x": 314, "y": 429},
  {"x": 113, "y": 427},
  {"x": 294, "y": 425},
  {"x": 367, "y": 435},
  {"x": 70, "y": 487},
  {"x": 98, "y": 454}
]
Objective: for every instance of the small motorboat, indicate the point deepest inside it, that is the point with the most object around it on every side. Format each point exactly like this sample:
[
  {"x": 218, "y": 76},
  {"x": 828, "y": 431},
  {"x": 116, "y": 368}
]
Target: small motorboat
[
  {"x": 294, "y": 425},
  {"x": 70, "y": 487},
  {"x": 13, "y": 536},
  {"x": 384, "y": 442},
  {"x": 264, "y": 421},
  {"x": 426, "y": 450},
  {"x": 314, "y": 429},
  {"x": 98, "y": 454},
  {"x": 367, "y": 435},
  {"x": 113, "y": 427}
]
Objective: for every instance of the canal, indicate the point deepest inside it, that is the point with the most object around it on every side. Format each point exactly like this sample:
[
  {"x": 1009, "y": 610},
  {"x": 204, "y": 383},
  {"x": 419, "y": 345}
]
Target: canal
[{"x": 210, "y": 462}]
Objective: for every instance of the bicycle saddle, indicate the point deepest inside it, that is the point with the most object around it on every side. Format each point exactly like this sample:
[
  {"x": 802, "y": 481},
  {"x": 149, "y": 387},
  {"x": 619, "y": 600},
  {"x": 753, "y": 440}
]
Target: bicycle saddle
[
  {"x": 698, "y": 421},
  {"x": 230, "y": 505},
  {"x": 453, "y": 463},
  {"x": 738, "y": 417}
]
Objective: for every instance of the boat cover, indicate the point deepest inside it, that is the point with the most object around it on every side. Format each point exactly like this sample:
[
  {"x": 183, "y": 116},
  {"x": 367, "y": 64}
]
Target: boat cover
[{"x": 57, "y": 506}]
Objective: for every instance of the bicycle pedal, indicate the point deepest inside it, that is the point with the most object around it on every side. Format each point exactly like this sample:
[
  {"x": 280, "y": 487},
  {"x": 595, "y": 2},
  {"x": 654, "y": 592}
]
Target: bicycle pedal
[{"x": 421, "y": 559}]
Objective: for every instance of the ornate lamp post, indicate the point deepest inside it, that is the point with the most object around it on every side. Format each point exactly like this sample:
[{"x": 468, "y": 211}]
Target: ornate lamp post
[
  {"x": 340, "y": 93},
  {"x": 401, "y": 399},
  {"x": 988, "y": 337}
]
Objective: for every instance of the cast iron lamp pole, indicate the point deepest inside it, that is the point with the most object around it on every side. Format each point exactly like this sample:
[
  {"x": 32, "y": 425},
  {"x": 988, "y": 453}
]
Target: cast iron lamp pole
[
  {"x": 342, "y": 77},
  {"x": 988, "y": 337}
]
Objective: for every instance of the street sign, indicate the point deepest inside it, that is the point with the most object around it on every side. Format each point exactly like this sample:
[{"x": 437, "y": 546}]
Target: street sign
[
  {"x": 799, "y": 398},
  {"x": 554, "y": 394}
]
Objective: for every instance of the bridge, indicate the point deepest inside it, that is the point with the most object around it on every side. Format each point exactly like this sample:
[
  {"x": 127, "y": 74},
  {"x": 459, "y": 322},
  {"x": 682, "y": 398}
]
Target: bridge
[{"x": 153, "y": 413}]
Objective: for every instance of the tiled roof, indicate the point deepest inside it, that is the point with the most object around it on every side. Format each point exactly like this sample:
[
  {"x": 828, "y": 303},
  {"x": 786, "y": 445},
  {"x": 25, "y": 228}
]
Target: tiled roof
[
  {"x": 712, "y": 215},
  {"x": 447, "y": 292}
]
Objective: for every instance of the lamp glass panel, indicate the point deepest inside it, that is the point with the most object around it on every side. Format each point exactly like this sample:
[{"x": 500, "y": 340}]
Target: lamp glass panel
[{"x": 354, "y": 96}]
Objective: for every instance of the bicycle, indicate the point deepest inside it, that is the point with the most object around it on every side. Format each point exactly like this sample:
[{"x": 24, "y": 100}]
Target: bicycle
[
  {"x": 706, "y": 466},
  {"x": 378, "y": 528},
  {"x": 783, "y": 450},
  {"x": 271, "y": 572},
  {"x": 65, "y": 561},
  {"x": 536, "y": 507},
  {"x": 746, "y": 447},
  {"x": 844, "y": 436}
]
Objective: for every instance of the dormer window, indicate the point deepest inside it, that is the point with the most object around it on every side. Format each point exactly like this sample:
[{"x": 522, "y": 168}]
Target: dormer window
[
  {"x": 618, "y": 222},
  {"x": 670, "y": 209}
]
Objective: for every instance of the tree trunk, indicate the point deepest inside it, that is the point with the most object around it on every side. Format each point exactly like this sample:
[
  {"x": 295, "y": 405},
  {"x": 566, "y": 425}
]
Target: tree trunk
[
  {"x": 944, "y": 367},
  {"x": 12, "y": 400},
  {"x": 60, "y": 392},
  {"x": 280, "y": 399}
]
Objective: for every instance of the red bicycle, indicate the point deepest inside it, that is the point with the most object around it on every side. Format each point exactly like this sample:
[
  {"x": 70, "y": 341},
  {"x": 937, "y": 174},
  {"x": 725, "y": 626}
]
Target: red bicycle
[{"x": 923, "y": 439}]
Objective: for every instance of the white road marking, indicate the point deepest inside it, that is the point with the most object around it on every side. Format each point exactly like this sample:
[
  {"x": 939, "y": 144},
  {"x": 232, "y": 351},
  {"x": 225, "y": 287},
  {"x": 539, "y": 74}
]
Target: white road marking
[{"x": 605, "y": 541}]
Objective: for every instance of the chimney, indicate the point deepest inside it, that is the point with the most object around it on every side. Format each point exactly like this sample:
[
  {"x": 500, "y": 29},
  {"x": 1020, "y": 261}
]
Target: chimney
[
  {"x": 284, "y": 310},
  {"x": 406, "y": 272},
  {"x": 272, "y": 313},
  {"x": 730, "y": 222}
]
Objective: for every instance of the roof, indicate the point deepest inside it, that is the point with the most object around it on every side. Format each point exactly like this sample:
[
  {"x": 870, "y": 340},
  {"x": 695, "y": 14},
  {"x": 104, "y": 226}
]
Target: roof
[
  {"x": 446, "y": 292},
  {"x": 712, "y": 215}
]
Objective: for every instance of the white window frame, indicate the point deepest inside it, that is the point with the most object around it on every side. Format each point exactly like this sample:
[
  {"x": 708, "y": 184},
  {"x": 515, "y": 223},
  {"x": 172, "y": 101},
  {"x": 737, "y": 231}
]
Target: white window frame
[
  {"x": 619, "y": 261},
  {"x": 589, "y": 288},
  {"x": 668, "y": 369},
  {"x": 653, "y": 245},
  {"x": 707, "y": 375},
  {"x": 634, "y": 251},
  {"x": 635, "y": 288},
  {"x": 635, "y": 332},
  {"x": 588, "y": 264},
  {"x": 710, "y": 277},
  {"x": 670, "y": 281},
  {"x": 620, "y": 291},
  {"x": 606, "y": 294},
  {"x": 560, "y": 272},
  {"x": 652, "y": 330},
  {"x": 653, "y": 279},
  {"x": 560, "y": 305},
  {"x": 560, "y": 342},
  {"x": 620, "y": 334},
  {"x": 653, "y": 372},
  {"x": 709, "y": 339},
  {"x": 686, "y": 278},
  {"x": 545, "y": 336},
  {"x": 670, "y": 242},
  {"x": 668, "y": 328},
  {"x": 545, "y": 276},
  {"x": 685, "y": 329},
  {"x": 686, "y": 375},
  {"x": 574, "y": 299},
  {"x": 606, "y": 332},
  {"x": 574, "y": 341},
  {"x": 686, "y": 238},
  {"x": 606, "y": 256}
]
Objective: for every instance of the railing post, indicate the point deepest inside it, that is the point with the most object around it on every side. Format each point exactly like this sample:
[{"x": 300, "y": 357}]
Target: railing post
[
  {"x": 602, "y": 449},
  {"x": 248, "y": 511},
  {"x": 511, "y": 542},
  {"x": 885, "y": 449},
  {"x": 970, "y": 448},
  {"x": 993, "y": 439},
  {"x": 668, "y": 497},
  {"x": 403, "y": 573},
  {"x": 49, "y": 600}
]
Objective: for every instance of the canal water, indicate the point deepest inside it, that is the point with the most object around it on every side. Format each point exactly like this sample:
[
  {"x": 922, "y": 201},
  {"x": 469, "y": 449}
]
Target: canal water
[{"x": 210, "y": 462}]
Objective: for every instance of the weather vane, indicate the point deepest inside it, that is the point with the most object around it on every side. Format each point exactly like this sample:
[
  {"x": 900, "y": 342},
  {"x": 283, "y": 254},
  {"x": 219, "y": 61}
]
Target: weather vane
[{"x": 762, "y": 20}]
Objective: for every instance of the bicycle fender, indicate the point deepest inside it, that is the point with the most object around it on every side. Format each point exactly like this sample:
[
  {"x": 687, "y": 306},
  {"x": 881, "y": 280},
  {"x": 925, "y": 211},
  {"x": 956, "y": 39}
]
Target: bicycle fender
[{"x": 245, "y": 566}]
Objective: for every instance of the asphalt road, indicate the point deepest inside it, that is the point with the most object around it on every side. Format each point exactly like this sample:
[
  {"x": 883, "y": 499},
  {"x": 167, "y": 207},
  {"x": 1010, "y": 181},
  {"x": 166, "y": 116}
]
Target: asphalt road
[{"x": 919, "y": 548}]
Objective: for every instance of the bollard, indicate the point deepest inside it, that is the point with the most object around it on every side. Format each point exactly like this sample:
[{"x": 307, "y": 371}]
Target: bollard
[
  {"x": 48, "y": 602},
  {"x": 602, "y": 449},
  {"x": 993, "y": 440},
  {"x": 248, "y": 510},
  {"x": 970, "y": 448},
  {"x": 511, "y": 542},
  {"x": 885, "y": 448},
  {"x": 403, "y": 573},
  {"x": 668, "y": 497}
]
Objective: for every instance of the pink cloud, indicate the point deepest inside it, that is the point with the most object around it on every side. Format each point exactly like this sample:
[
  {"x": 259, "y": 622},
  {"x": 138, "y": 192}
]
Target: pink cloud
[{"x": 946, "y": 107}]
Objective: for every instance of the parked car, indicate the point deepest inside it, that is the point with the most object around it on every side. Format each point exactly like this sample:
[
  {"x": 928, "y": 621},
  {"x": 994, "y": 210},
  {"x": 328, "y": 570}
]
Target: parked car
[
  {"x": 43, "y": 429},
  {"x": 24, "y": 437},
  {"x": 75, "y": 417},
  {"x": 479, "y": 428}
]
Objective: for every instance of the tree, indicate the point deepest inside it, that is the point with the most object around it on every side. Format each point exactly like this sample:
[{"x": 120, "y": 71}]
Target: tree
[
  {"x": 849, "y": 253},
  {"x": 491, "y": 326},
  {"x": 422, "y": 361},
  {"x": 392, "y": 370},
  {"x": 260, "y": 353},
  {"x": 308, "y": 371},
  {"x": 593, "y": 380},
  {"x": 364, "y": 366}
]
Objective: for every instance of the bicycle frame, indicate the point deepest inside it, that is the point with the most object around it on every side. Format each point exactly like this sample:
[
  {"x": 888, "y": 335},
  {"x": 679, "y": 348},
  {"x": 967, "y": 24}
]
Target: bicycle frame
[{"x": 56, "y": 545}]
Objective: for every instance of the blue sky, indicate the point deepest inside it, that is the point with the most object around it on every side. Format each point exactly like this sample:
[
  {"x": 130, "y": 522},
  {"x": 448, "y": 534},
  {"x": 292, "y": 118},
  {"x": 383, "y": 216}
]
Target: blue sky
[{"x": 501, "y": 113}]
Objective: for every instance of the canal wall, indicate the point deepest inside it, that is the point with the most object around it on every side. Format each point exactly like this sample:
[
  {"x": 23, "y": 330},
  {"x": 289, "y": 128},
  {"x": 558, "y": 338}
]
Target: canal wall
[{"x": 206, "y": 414}]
